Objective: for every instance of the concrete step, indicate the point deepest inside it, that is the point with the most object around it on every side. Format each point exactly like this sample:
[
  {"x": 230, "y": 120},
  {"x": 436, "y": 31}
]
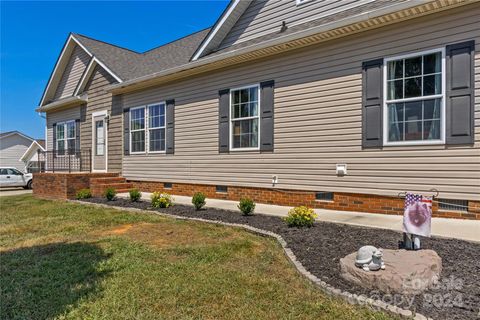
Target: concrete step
[
  {"x": 107, "y": 180},
  {"x": 118, "y": 185}
]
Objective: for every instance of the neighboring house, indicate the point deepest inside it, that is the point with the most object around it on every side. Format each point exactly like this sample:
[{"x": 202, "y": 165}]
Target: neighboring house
[
  {"x": 30, "y": 158},
  {"x": 292, "y": 90},
  {"x": 13, "y": 145}
]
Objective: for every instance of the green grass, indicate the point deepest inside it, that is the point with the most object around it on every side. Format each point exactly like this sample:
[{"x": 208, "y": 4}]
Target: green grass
[{"x": 67, "y": 261}]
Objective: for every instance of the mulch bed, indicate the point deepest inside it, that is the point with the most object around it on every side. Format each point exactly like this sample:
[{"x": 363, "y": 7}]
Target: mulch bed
[{"x": 321, "y": 247}]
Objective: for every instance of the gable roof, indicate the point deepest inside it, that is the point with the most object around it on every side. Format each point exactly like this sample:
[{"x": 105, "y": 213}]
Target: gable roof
[
  {"x": 129, "y": 64},
  {"x": 225, "y": 22},
  {"x": 14, "y": 132},
  {"x": 32, "y": 149},
  {"x": 123, "y": 64},
  {"x": 61, "y": 64}
]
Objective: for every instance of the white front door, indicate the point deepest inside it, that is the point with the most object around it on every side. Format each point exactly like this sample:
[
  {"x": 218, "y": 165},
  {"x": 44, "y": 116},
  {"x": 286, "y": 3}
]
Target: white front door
[{"x": 99, "y": 137}]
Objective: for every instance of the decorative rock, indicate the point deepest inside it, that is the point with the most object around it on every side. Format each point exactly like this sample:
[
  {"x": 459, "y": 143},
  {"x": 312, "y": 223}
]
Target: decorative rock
[{"x": 407, "y": 272}]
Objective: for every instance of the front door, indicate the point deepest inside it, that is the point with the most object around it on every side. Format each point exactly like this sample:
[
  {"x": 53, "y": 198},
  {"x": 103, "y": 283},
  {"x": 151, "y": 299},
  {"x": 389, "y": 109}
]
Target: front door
[{"x": 99, "y": 136}]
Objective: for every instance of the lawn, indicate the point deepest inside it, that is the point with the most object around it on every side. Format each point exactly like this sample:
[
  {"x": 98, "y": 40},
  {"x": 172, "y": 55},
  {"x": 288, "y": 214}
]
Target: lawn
[{"x": 61, "y": 260}]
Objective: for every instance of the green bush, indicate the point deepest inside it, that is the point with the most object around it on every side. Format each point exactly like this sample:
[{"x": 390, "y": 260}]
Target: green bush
[
  {"x": 110, "y": 194},
  {"x": 135, "y": 195},
  {"x": 247, "y": 206},
  {"x": 84, "y": 194},
  {"x": 161, "y": 200},
  {"x": 198, "y": 200},
  {"x": 300, "y": 217}
]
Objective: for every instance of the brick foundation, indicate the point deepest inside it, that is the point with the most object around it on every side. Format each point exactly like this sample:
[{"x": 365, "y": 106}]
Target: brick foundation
[
  {"x": 63, "y": 185},
  {"x": 341, "y": 201}
]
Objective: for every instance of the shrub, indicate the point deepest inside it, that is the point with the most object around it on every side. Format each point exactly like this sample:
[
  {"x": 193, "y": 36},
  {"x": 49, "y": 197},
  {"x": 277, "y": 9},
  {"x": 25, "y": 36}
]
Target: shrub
[
  {"x": 135, "y": 195},
  {"x": 161, "y": 200},
  {"x": 247, "y": 206},
  {"x": 83, "y": 194},
  {"x": 110, "y": 194},
  {"x": 300, "y": 217},
  {"x": 198, "y": 200}
]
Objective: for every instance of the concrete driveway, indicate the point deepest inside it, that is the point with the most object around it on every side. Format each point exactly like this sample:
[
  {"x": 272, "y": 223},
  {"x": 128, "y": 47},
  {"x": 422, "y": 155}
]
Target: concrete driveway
[{"x": 13, "y": 191}]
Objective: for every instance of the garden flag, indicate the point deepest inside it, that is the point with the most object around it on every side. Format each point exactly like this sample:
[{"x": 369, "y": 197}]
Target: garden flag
[{"x": 417, "y": 218}]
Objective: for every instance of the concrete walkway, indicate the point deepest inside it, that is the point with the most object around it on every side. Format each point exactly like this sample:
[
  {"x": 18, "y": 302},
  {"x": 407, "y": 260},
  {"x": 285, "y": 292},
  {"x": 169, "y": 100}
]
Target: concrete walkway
[
  {"x": 449, "y": 228},
  {"x": 13, "y": 191}
]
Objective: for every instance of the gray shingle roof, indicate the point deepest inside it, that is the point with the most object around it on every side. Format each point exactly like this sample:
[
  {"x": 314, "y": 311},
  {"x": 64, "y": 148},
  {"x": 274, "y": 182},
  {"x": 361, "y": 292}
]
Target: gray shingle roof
[{"x": 128, "y": 64}]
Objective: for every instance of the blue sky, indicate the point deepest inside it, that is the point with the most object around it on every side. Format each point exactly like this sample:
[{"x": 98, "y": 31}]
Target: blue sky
[{"x": 33, "y": 33}]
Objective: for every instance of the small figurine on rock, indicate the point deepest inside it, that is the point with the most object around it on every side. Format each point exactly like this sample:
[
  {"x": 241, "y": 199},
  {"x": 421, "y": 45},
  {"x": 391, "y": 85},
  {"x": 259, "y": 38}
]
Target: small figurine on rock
[{"x": 369, "y": 258}]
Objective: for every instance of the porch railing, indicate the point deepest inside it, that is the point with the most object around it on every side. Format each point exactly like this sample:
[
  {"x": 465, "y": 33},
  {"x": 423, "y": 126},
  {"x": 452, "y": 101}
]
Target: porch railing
[{"x": 65, "y": 160}]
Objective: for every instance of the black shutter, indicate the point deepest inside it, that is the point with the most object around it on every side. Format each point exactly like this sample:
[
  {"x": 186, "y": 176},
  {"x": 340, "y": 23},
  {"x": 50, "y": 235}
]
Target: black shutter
[
  {"x": 460, "y": 93},
  {"x": 54, "y": 140},
  {"x": 170, "y": 120},
  {"x": 224, "y": 119},
  {"x": 372, "y": 103},
  {"x": 126, "y": 132},
  {"x": 266, "y": 117}
]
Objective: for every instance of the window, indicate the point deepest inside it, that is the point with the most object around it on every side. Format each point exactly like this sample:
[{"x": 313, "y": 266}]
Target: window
[
  {"x": 324, "y": 196},
  {"x": 453, "y": 205},
  {"x": 244, "y": 115},
  {"x": 10, "y": 172},
  {"x": 167, "y": 185},
  {"x": 156, "y": 124},
  {"x": 137, "y": 130},
  {"x": 66, "y": 137},
  {"x": 147, "y": 127},
  {"x": 415, "y": 99},
  {"x": 100, "y": 139},
  {"x": 221, "y": 189}
]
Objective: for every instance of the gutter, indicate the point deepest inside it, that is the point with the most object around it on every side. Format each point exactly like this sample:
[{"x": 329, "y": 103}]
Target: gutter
[
  {"x": 120, "y": 87},
  {"x": 64, "y": 102}
]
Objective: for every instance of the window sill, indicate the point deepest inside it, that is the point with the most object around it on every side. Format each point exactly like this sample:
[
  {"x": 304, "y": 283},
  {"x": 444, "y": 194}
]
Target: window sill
[
  {"x": 244, "y": 149},
  {"x": 414, "y": 143},
  {"x": 325, "y": 201}
]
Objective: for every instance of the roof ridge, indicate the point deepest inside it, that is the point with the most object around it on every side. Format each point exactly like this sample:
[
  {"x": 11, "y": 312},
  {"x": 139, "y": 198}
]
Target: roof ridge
[
  {"x": 107, "y": 43},
  {"x": 173, "y": 41}
]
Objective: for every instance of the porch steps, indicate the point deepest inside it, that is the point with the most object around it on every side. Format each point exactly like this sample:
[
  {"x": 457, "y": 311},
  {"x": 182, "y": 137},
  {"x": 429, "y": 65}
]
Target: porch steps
[{"x": 99, "y": 185}]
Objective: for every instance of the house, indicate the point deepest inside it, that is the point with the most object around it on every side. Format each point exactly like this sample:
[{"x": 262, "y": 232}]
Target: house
[
  {"x": 31, "y": 159},
  {"x": 332, "y": 104},
  {"x": 13, "y": 145}
]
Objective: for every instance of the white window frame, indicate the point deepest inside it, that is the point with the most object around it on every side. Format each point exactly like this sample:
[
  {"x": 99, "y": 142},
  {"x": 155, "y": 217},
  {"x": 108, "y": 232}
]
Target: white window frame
[
  {"x": 65, "y": 137},
  {"x": 147, "y": 137},
  {"x": 137, "y": 130},
  {"x": 231, "y": 119},
  {"x": 436, "y": 96},
  {"x": 147, "y": 128}
]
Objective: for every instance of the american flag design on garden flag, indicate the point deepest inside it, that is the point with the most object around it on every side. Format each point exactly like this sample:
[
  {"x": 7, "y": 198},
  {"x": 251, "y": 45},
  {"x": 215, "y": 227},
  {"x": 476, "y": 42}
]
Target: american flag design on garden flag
[{"x": 417, "y": 217}]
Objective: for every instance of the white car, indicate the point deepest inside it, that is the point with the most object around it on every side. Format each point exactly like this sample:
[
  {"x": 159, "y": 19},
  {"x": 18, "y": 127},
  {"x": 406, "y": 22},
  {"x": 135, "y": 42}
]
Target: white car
[{"x": 11, "y": 177}]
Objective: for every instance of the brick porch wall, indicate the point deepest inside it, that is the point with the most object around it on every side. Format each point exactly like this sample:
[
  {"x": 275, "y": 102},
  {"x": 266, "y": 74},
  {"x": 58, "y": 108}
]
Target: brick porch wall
[
  {"x": 63, "y": 185},
  {"x": 341, "y": 201}
]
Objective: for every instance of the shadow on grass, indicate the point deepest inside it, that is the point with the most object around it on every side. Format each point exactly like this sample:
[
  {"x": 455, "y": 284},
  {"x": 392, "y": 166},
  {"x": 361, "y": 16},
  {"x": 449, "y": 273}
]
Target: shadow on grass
[{"x": 40, "y": 282}]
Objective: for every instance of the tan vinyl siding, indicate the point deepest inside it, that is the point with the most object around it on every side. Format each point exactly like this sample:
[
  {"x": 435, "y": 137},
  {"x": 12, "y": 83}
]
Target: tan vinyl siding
[
  {"x": 99, "y": 100},
  {"x": 317, "y": 121},
  {"x": 60, "y": 116},
  {"x": 263, "y": 17},
  {"x": 72, "y": 74}
]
